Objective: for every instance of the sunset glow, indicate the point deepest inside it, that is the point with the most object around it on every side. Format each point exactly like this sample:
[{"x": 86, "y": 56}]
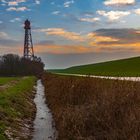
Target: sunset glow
[{"x": 71, "y": 26}]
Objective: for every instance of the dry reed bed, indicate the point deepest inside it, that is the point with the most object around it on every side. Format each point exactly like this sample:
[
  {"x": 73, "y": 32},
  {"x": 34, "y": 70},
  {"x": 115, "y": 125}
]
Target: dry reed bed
[{"x": 94, "y": 109}]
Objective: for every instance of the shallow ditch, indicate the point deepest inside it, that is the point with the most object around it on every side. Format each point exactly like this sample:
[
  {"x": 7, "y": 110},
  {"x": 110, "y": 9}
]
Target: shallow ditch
[{"x": 44, "y": 128}]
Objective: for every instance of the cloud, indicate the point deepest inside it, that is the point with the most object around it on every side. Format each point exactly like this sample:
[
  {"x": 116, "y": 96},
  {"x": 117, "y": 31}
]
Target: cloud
[
  {"x": 117, "y": 49},
  {"x": 4, "y": 35},
  {"x": 97, "y": 41},
  {"x": 113, "y": 15},
  {"x": 87, "y": 19},
  {"x": 12, "y": 3},
  {"x": 62, "y": 33},
  {"x": 137, "y": 11},
  {"x": 103, "y": 40},
  {"x": 68, "y": 3},
  {"x": 37, "y": 1},
  {"x": 116, "y": 38},
  {"x": 62, "y": 49},
  {"x": 7, "y": 44},
  {"x": 7, "y": 41},
  {"x": 4, "y": 1},
  {"x": 15, "y": 2},
  {"x": 52, "y": 3},
  {"x": 119, "y": 2},
  {"x": 56, "y": 12},
  {"x": 79, "y": 49},
  {"x": 46, "y": 42},
  {"x": 15, "y": 19},
  {"x": 100, "y": 38},
  {"x": 131, "y": 35},
  {"x": 18, "y": 9}
]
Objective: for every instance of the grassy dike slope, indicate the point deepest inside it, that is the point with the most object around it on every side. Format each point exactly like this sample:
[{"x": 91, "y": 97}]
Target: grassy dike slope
[
  {"x": 16, "y": 107},
  {"x": 124, "y": 67}
]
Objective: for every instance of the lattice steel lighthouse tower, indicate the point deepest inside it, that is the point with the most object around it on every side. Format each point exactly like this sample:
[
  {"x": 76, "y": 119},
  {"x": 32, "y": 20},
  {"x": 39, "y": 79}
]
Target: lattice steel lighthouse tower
[{"x": 28, "y": 44}]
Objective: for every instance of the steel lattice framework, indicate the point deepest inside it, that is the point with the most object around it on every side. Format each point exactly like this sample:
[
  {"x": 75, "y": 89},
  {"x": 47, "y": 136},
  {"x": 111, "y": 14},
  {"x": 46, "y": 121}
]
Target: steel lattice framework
[{"x": 28, "y": 44}]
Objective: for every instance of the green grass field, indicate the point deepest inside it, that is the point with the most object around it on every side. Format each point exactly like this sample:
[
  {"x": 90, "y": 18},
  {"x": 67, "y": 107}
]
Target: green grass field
[
  {"x": 5, "y": 80},
  {"x": 125, "y": 67},
  {"x": 15, "y": 104}
]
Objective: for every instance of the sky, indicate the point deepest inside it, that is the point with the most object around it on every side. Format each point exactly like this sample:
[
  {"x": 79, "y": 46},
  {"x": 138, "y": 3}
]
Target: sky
[{"x": 72, "y": 32}]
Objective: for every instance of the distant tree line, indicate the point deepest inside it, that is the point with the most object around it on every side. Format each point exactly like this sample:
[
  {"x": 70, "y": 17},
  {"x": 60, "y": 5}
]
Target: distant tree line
[{"x": 13, "y": 65}]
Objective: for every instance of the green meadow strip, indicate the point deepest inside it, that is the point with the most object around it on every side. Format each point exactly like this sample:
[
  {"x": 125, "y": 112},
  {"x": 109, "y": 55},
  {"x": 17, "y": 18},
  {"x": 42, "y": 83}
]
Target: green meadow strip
[
  {"x": 14, "y": 103},
  {"x": 6, "y": 80}
]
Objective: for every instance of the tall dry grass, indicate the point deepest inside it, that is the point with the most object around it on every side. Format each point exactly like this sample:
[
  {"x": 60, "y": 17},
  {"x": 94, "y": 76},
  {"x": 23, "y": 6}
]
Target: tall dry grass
[{"x": 94, "y": 109}]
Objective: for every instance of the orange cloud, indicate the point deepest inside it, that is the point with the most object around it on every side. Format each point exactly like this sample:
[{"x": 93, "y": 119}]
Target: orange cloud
[
  {"x": 117, "y": 46},
  {"x": 100, "y": 40},
  {"x": 62, "y": 33},
  {"x": 62, "y": 49},
  {"x": 115, "y": 39},
  {"x": 75, "y": 49}
]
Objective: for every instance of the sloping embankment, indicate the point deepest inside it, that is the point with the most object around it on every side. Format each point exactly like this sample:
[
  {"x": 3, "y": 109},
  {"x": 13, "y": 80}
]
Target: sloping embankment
[
  {"x": 117, "y": 68},
  {"x": 17, "y": 108},
  {"x": 93, "y": 108}
]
